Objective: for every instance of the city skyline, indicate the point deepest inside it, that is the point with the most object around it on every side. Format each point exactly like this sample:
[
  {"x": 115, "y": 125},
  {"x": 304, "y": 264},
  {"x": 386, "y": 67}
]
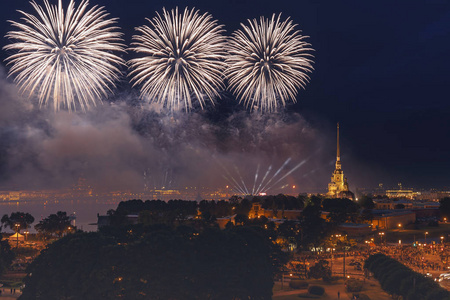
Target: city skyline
[{"x": 392, "y": 114}]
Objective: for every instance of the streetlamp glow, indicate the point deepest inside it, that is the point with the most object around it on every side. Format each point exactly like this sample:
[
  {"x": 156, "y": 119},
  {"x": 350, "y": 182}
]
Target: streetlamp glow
[
  {"x": 381, "y": 234},
  {"x": 17, "y": 225}
]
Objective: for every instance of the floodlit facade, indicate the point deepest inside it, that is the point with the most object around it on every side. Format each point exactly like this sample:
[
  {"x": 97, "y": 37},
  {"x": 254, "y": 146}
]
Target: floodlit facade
[{"x": 338, "y": 187}]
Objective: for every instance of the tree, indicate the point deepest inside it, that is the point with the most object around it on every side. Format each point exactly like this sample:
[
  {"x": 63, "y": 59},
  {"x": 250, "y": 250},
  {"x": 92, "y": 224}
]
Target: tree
[
  {"x": 366, "y": 215},
  {"x": 366, "y": 202},
  {"x": 445, "y": 207},
  {"x": 240, "y": 219},
  {"x": 17, "y": 221},
  {"x": 398, "y": 279},
  {"x": 320, "y": 270},
  {"x": 341, "y": 210},
  {"x": 6, "y": 255},
  {"x": 55, "y": 224},
  {"x": 244, "y": 207},
  {"x": 313, "y": 227},
  {"x": 157, "y": 263}
]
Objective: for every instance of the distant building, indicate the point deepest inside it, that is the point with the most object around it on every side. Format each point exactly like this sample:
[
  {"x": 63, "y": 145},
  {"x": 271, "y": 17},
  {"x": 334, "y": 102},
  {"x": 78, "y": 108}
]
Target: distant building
[
  {"x": 432, "y": 195},
  {"x": 338, "y": 187},
  {"x": 355, "y": 230},
  {"x": 391, "y": 219},
  {"x": 286, "y": 214},
  {"x": 400, "y": 194},
  {"x": 384, "y": 204}
]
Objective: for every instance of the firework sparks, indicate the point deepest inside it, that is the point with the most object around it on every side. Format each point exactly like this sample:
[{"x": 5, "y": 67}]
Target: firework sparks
[
  {"x": 183, "y": 59},
  {"x": 65, "y": 57},
  {"x": 268, "y": 183},
  {"x": 268, "y": 62}
]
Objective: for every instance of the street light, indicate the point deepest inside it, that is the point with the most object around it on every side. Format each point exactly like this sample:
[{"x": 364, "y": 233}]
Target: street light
[
  {"x": 17, "y": 225},
  {"x": 331, "y": 263},
  {"x": 381, "y": 234},
  {"x": 26, "y": 235},
  {"x": 426, "y": 236}
]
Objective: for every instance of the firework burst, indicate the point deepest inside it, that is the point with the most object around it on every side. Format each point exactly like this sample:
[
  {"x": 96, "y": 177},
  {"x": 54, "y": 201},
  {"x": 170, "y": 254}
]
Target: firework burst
[
  {"x": 65, "y": 57},
  {"x": 183, "y": 59},
  {"x": 268, "y": 62}
]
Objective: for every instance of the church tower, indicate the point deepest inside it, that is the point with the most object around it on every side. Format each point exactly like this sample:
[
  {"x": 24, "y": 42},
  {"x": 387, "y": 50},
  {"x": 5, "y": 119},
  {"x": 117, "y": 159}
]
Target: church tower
[{"x": 338, "y": 187}]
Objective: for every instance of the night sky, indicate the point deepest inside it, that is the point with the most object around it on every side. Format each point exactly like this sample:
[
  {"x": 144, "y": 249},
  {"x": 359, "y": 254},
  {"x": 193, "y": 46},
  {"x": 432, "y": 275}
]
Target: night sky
[{"x": 381, "y": 70}]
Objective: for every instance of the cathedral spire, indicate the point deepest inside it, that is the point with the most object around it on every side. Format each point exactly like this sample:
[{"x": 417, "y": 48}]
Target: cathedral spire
[
  {"x": 338, "y": 156},
  {"x": 338, "y": 187},
  {"x": 338, "y": 152}
]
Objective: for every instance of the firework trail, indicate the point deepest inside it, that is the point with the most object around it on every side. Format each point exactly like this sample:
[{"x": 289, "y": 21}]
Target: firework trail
[
  {"x": 236, "y": 187},
  {"x": 65, "y": 56},
  {"x": 183, "y": 59},
  {"x": 256, "y": 179},
  {"x": 264, "y": 178},
  {"x": 233, "y": 181},
  {"x": 288, "y": 173},
  {"x": 276, "y": 173},
  {"x": 268, "y": 62}
]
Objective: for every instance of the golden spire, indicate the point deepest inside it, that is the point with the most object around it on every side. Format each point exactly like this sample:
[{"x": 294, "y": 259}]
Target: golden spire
[{"x": 338, "y": 154}]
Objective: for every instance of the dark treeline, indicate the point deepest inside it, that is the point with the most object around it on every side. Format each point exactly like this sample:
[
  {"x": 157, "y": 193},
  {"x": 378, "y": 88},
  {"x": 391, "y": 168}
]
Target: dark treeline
[
  {"x": 6, "y": 255},
  {"x": 399, "y": 280},
  {"x": 310, "y": 228},
  {"x": 55, "y": 225},
  {"x": 445, "y": 207},
  {"x": 153, "y": 211},
  {"x": 157, "y": 262},
  {"x": 136, "y": 206},
  {"x": 217, "y": 209}
]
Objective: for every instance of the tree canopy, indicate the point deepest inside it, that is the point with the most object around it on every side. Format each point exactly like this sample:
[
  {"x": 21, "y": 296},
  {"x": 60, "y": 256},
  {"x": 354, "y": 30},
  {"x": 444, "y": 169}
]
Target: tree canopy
[
  {"x": 55, "y": 224},
  {"x": 366, "y": 202},
  {"x": 445, "y": 207},
  {"x": 341, "y": 210},
  {"x": 21, "y": 219},
  {"x": 156, "y": 262},
  {"x": 6, "y": 255}
]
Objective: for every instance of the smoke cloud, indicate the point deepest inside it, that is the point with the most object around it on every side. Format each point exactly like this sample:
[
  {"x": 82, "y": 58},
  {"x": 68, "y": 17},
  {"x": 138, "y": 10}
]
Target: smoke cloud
[{"x": 121, "y": 146}]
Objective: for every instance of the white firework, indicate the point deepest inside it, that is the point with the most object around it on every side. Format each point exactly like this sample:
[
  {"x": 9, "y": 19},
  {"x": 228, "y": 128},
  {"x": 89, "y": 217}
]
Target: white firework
[
  {"x": 268, "y": 63},
  {"x": 183, "y": 59},
  {"x": 65, "y": 57}
]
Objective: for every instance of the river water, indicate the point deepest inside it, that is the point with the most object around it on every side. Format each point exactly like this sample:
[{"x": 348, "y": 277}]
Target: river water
[{"x": 85, "y": 210}]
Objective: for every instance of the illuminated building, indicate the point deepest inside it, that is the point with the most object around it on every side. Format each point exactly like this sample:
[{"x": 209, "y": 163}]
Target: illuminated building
[
  {"x": 284, "y": 214},
  {"x": 401, "y": 193},
  {"x": 338, "y": 187}
]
